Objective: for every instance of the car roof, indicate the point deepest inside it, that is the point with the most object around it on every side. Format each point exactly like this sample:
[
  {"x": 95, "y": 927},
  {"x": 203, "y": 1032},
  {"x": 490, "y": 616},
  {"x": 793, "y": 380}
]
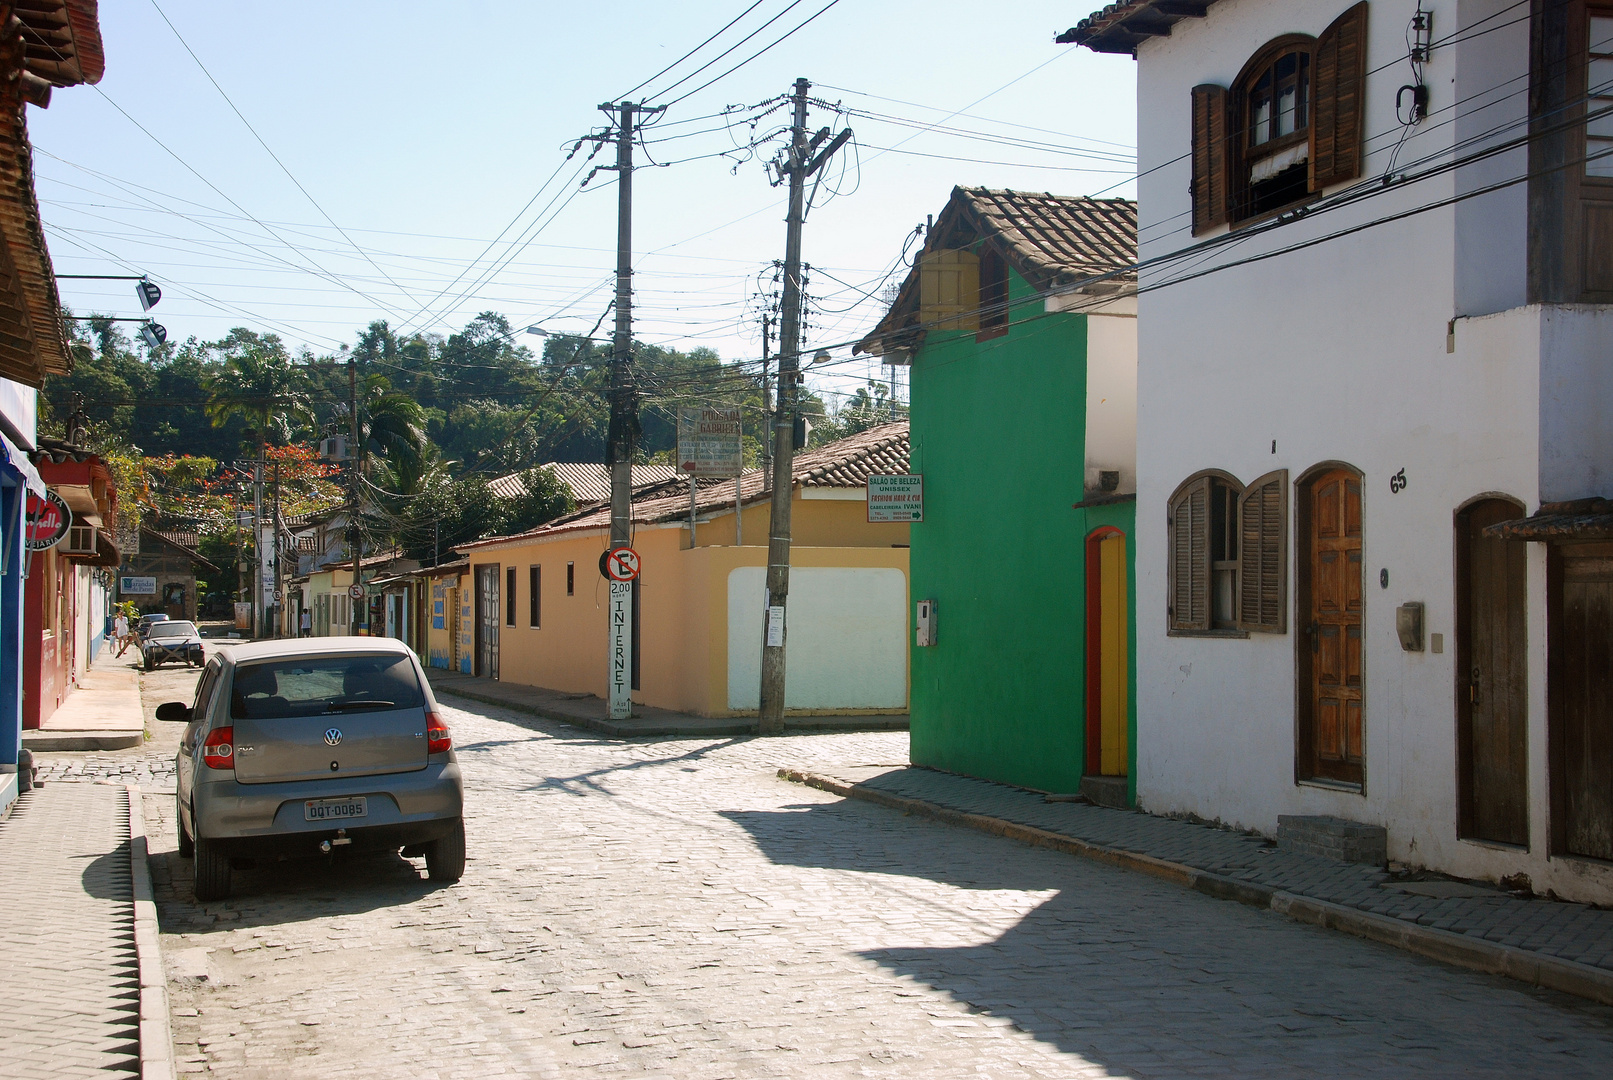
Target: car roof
[{"x": 300, "y": 647}]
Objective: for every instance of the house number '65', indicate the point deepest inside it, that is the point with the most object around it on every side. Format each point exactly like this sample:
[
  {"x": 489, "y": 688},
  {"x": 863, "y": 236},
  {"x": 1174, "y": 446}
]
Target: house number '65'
[{"x": 1397, "y": 482}]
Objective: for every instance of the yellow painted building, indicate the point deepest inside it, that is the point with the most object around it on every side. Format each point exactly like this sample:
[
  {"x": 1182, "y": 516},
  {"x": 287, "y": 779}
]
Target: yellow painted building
[{"x": 532, "y": 607}]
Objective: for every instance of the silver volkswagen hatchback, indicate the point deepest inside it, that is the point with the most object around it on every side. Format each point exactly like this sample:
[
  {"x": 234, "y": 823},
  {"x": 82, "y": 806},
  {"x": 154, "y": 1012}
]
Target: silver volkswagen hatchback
[{"x": 299, "y": 747}]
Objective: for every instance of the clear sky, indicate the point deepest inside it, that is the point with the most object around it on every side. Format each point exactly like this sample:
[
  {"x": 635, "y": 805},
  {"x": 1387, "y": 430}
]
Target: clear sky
[{"x": 406, "y": 142}]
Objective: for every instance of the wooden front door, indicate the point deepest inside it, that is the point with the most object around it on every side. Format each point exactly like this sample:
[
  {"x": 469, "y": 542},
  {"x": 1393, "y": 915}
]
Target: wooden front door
[
  {"x": 1492, "y": 708},
  {"x": 1581, "y": 693},
  {"x": 1330, "y": 687},
  {"x": 487, "y": 608},
  {"x": 1108, "y": 656}
]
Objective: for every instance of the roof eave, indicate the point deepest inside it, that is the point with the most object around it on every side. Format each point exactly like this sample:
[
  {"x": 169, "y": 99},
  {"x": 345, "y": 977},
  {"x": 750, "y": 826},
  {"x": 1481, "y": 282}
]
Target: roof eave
[{"x": 1121, "y": 27}]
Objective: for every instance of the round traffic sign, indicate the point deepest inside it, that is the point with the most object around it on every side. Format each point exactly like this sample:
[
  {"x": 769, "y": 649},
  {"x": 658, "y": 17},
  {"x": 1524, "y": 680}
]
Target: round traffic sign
[
  {"x": 621, "y": 564},
  {"x": 355, "y": 591}
]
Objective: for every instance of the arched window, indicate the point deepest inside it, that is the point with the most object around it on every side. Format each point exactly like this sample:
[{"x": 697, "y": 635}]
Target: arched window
[
  {"x": 1227, "y": 554},
  {"x": 1288, "y": 127}
]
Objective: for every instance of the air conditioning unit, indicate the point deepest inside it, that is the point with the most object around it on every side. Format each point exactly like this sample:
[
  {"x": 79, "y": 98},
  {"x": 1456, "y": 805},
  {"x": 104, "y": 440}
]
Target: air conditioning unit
[
  {"x": 80, "y": 540},
  {"x": 334, "y": 448}
]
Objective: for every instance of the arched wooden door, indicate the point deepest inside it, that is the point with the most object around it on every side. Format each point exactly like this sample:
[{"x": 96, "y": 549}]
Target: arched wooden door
[
  {"x": 1330, "y": 690},
  {"x": 1492, "y": 640},
  {"x": 1108, "y": 654}
]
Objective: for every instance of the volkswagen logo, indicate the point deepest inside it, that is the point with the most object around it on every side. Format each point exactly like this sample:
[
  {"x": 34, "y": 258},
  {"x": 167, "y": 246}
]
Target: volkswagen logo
[{"x": 333, "y": 736}]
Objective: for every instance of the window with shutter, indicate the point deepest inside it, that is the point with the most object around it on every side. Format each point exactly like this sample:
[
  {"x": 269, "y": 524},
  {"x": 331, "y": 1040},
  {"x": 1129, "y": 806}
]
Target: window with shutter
[
  {"x": 949, "y": 290},
  {"x": 1289, "y": 125},
  {"x": 1210, "y": 158},
  {"x": 1263, "y": 555},
  {"x": 1189, "y": 532},
  {"x": 1341, "y": 70}
]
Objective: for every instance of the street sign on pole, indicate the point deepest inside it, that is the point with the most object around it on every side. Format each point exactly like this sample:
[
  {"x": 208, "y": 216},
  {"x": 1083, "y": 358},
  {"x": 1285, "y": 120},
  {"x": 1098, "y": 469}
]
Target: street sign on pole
[
  {"x": 621, "y": 564},
  {"x": 621, "y": 643},
  {"x": 896, "y": 498},
  {"x": 356, "y": 591},
  {"x": 710, "y": 442}
]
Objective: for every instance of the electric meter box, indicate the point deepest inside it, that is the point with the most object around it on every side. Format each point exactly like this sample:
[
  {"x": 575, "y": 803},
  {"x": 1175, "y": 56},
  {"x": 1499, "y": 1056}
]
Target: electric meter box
[{"x": 924, "y": 623}]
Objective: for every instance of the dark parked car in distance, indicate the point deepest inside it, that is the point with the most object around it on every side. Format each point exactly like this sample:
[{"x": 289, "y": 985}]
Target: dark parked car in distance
[{"x": 172, "y": 639}]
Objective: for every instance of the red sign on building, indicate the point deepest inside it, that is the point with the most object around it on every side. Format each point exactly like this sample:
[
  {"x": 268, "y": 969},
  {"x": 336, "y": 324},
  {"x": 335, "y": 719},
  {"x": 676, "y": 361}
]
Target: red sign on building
[{"x": 47, "y": 521}]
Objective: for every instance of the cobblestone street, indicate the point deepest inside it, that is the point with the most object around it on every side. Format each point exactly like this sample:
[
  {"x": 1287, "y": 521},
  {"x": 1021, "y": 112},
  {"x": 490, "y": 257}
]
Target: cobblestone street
[{"x": 671, "y": 908}]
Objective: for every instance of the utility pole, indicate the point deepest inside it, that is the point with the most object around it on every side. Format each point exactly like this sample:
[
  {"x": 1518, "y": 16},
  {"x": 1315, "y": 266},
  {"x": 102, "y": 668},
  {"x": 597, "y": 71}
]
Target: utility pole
[
  {"x": 623, "y": 424},
  {"x": 799, "y": 164},
  {"x": 355, "y": 458}
]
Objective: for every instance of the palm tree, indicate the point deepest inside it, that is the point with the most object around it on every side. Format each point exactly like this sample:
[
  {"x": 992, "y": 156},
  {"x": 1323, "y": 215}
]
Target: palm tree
[{"x": 258, "y": 383}]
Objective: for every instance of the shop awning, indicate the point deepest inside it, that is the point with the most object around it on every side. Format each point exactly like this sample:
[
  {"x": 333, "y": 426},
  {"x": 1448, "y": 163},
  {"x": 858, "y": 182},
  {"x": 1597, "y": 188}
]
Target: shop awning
[
  {"x": 19, "y": 462},
  {"x": 1578, "y": 519}
]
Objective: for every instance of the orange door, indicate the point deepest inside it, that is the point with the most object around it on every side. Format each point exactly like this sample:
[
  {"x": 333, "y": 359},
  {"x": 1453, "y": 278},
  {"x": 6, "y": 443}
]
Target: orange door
[{"x": 1330, "y": 670}]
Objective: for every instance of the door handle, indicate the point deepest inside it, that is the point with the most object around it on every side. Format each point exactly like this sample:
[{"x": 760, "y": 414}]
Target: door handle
[{"x": 1473, "y": 686}]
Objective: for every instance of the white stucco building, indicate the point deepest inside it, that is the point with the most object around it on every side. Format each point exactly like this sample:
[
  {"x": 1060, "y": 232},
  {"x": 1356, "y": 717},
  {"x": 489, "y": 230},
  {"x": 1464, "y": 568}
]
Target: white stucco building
[{"x": 1375, "y": 320}]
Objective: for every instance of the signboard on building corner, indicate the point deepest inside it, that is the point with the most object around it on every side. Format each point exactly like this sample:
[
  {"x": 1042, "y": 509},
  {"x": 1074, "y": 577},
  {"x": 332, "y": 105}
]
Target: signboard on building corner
[
  {"x": 48, "y": 520},
  {"x": 896, "y": 498},
  {"x": 710, "y": 442},
  {"x": 137, "y": 586}
]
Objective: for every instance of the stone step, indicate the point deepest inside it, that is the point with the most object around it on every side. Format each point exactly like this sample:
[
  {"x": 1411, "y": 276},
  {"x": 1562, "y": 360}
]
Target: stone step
[
  {"x": 1106, "y": 791},
  {"x": 1333, "y": 838}
]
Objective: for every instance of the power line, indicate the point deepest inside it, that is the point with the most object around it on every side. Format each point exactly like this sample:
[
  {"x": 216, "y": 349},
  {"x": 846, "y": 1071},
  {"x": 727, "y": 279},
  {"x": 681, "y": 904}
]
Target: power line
[{"x": 268, "y": 150}]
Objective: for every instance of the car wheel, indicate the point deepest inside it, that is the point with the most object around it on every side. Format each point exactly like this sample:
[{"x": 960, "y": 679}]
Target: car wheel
[
  {"x": 148, "y": 663},
  {"x": 212, "y": 871},
  {"x": 445, "y": 857},
  {"x": 187, "y": 846}
]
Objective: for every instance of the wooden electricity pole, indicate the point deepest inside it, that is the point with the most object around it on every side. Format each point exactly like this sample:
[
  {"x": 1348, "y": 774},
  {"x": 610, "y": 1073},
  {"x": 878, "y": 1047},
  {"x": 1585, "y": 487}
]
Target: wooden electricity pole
[
  {"x": 799, "y": 164},
  {"x": 623, "y": 434}
]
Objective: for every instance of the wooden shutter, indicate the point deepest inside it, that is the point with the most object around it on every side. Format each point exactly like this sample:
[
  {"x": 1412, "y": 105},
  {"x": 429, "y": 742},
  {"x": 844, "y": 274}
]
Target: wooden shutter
[
  {"x": 1189, "y": 531},
  {"x": 1263, "y": 555},
  {"x": 1211, "y": 158},
  {"x": 949, "y": 290},
  {"x": 1338, "y": 81}
]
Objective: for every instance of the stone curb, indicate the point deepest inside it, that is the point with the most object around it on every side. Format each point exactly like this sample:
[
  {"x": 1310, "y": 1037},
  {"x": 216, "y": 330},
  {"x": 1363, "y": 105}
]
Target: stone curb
[
  {"x": 156, "y": 1036},
  {"x": 1448, "y": 947},
  {"x": 80, "y": 741},
  {"x": 715, "y": 728}
]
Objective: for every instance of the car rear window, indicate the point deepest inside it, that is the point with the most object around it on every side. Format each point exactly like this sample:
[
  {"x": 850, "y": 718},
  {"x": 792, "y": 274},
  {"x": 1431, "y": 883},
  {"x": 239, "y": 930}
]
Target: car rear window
[
  {"x": 172, "y": 629},
  {"x": 327, "y": 685}
]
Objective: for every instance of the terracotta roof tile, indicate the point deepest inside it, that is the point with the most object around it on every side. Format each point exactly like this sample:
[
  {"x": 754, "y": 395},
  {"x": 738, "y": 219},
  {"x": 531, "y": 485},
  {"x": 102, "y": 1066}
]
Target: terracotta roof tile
[
  {"x": 589, "y": 481},
  {"x": 1121, "y": 27},
  {"x": 1055, "y": 242},
  {"x": 881, "y": 450}
]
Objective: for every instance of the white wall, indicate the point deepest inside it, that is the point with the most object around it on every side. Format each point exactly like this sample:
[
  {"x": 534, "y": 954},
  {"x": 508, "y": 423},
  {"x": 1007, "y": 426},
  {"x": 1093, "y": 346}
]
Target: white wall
[
  {"x": 846, "y": 629},
  {"x": 1576, "y": 402},
  {"x": 1338, "y": 352},
  {"x": 20, "y": 405},
  {"x": 1112, "y": 394}
]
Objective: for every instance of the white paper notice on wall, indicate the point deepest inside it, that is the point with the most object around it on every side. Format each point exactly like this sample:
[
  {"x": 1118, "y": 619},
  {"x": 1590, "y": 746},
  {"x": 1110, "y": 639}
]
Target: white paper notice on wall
[{"x": 775, "y": 627}]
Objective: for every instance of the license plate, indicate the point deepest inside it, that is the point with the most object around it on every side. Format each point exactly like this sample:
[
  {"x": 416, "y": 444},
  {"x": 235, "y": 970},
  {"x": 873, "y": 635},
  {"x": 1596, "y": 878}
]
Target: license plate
[{"x": 334, "y": 809}]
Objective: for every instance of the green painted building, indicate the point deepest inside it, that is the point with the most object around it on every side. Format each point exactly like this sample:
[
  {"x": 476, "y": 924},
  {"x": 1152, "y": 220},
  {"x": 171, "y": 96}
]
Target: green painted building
[{"x": 1019, "y": 324}]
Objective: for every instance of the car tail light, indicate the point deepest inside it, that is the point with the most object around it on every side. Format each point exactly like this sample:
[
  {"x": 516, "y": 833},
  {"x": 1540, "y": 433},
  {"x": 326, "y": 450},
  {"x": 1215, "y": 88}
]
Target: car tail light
[
  {"x": 437, "y": 738},
  {"x": 219, "y": 749}
]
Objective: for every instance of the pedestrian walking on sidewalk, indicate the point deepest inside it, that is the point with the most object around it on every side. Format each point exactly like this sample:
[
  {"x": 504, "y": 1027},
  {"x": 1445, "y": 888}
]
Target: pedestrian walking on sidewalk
[{"x": 120, "y": 632}]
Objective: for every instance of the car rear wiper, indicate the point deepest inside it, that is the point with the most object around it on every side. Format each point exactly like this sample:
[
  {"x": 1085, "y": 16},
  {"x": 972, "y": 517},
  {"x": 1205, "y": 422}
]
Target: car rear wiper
[{"x": 360, "y": 703}]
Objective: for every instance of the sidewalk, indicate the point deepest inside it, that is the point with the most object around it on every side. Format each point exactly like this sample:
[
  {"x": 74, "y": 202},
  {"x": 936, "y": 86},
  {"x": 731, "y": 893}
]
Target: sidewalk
[
  {"x": 102, "y": 713},
  {"x": 585, "y": 710},
  {"x": 1567, "y": 947},
  {"x": 67, "y": 930}
]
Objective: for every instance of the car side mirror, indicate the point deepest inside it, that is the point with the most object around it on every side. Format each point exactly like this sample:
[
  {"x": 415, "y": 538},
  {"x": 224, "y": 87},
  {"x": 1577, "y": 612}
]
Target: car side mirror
[{"x": 173, "y": 710}]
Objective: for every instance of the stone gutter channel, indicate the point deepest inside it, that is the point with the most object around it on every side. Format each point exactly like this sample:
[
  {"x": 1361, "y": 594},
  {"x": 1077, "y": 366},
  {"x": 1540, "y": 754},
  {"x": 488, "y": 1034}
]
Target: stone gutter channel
[
  {"x": 1458, "y": 949},
  {"x": 156, "y": 1034}
]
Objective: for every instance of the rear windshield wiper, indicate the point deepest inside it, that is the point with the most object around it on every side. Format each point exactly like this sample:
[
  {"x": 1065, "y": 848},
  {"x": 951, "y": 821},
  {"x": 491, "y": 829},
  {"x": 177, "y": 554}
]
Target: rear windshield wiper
[{"x": 360, "y": 703}]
